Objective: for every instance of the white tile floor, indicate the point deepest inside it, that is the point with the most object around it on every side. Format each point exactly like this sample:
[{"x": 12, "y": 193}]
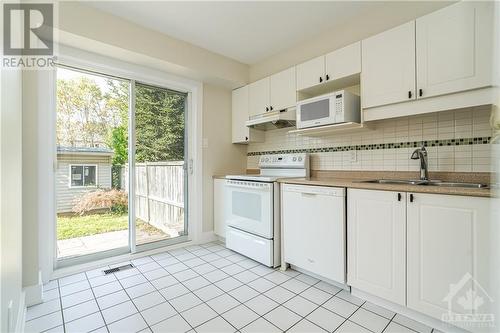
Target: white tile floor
[{"x": 206, "y": 289}]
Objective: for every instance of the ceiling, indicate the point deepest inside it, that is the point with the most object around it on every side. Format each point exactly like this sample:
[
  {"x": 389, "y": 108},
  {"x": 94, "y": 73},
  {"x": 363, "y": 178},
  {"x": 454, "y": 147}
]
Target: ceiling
[{"x": 245, "y": 31}]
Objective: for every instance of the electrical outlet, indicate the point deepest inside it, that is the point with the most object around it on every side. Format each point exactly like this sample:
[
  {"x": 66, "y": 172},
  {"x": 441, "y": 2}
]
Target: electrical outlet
[{"x": 354, "y": 156}]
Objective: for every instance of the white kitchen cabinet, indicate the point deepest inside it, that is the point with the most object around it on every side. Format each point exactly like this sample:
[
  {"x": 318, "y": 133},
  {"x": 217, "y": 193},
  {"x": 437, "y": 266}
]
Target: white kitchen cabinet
[
  {"x": 313, "y": 223},
  {"x": 343, "y": 62},
  {"x": 454, "y": 48},
  {"x": 240, "y": 132},
  {"x": 447, "y": 239},
  {"x": 219, "y": 207},
  {"x": 388, "y": 61},
  {"x": 376, "y": 243},
  {"x": 283, "y": 89},
  {"x": 311, "y": 73},
  {"x": 259, "y": 97}
]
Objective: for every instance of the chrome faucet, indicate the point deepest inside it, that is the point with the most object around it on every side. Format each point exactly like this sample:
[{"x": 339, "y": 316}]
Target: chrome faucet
[{"x": 421, "y": 153}]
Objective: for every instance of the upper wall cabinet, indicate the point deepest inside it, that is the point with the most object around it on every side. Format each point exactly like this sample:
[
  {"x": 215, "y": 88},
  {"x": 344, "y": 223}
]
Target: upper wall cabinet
[
  {"x": 454, "y": 50},
  {"x": 444, "y": 52},
  {"x": 240, "y": 132},
  {"x": 389, "y": 67},
  {"x": 328, "y": 68},
  {"x": 311, "y": 73},
  {"x": 343, "y": 62},
  {"x": 275, "y": 92},
  {"x": 258, "y": 97},
  {"x": 283, "y": 89}
]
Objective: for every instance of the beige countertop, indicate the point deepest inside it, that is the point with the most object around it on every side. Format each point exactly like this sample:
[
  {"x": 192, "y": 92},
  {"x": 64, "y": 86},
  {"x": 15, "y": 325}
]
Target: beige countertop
[
  {"x": 350, "y": 179},
  {"x": 354, "y": 183}
]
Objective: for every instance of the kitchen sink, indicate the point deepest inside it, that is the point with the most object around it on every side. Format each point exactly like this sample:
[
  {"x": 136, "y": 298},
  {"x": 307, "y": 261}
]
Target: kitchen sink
[
  {"x": 393, "y": 181},
  {"x": 424, "y": 183},
  {"x": 456, "y": 184}
]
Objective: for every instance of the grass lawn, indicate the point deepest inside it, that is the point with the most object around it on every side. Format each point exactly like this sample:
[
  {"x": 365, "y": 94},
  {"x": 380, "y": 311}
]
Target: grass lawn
[
  {"x": 86, "y": 225},
  {"x": 93, "y": 224}
]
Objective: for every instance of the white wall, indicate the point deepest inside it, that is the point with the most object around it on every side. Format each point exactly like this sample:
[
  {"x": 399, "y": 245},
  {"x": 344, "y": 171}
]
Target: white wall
[
  {"x": 30, "y": 180},
  {"x": 365, "y": 25},
  {"x": 10, "y": 199},
  {"x": 220, "y": 156},
  {"x": 82, "y": 26}
]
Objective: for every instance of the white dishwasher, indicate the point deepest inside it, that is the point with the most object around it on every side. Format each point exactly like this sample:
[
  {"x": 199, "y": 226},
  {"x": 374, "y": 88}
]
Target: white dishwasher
[{"x": 314, "y": 229}]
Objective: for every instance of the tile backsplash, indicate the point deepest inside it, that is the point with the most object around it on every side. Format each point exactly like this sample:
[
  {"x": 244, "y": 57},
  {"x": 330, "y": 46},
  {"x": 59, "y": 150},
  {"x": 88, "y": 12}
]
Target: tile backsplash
[{"x": 457, "y": 140}]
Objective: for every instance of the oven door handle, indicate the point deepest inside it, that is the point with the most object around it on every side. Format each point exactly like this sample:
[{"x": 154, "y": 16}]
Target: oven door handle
[{"x": 261, "y": 187}]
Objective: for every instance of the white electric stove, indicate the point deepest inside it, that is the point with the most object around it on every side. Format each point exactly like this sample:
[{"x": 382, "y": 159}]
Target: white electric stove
[{"x": 253, "y": 214}]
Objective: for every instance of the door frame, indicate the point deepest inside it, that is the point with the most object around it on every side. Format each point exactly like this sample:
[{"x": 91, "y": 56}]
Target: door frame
[{"x": 92, "y": 62}]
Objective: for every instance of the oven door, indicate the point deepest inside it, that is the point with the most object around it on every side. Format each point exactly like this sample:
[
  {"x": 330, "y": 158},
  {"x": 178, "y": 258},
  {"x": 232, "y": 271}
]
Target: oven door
[
  {"x": 315, "y": 112},
  {"x": 250, "y": 207}
]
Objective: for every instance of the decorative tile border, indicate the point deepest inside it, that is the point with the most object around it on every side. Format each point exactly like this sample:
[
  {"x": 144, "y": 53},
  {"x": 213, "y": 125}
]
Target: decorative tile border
[{"x": 377, "y": 146}]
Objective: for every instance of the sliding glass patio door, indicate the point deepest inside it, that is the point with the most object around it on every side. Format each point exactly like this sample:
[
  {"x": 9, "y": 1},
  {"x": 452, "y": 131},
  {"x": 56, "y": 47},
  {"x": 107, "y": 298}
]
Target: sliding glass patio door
[
  {"x": 121, "y": 179},
  {"x": 160, "y": 160}
]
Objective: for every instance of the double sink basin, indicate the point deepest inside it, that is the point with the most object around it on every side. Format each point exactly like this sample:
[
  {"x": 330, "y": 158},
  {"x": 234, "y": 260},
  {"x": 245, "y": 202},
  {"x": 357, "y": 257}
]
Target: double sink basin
[{"x": 424, "y": 183}]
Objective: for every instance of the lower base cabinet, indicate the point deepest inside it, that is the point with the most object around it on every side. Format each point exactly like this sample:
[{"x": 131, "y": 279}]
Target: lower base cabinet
[
  {"x": 428, "y": 252},
  {"x": 376, "y": 242},
  {"x": 447, "y": 253},
  {"x": 219, "y": 207}
]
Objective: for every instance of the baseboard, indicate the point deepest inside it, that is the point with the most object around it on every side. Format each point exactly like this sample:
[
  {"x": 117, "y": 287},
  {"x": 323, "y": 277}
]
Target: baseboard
[
  {"x": 412, "y": 314},
  {"x": 332, "y": 282},
  {"x": 34, "y": 293},
  {"x": 207, "y": 236},
  {"x": 21, "y": 313}
]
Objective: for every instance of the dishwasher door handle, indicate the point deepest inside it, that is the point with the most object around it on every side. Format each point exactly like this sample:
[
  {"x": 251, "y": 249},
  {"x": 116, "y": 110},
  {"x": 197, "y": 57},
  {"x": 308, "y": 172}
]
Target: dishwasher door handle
[{"x": 308, "y": 194}]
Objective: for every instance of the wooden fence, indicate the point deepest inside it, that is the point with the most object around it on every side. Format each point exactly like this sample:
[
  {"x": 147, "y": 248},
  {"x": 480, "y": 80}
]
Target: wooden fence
[{"x": 159, "y": 194}]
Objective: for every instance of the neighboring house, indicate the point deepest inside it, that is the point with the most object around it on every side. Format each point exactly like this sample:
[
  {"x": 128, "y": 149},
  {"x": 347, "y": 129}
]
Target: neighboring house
[{"x": 80, "y": 170}]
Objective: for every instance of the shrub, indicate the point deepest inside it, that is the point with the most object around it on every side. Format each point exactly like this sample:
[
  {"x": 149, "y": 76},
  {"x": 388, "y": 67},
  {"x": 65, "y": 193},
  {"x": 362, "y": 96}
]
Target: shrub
[{"x": 113, "y": 200}]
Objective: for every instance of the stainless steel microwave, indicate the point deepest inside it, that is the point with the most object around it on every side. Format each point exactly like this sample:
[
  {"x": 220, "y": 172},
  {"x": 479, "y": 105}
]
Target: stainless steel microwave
[{"x": 338, "y": 107}]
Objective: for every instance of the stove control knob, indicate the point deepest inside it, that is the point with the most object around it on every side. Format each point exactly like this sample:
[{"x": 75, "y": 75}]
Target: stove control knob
[
  {"x": 294, "y": 159},
  {"x": 300, "y": 159}
]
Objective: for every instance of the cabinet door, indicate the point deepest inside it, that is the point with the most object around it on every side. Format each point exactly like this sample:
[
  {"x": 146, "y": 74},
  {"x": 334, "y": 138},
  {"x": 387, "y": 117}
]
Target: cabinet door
[
  {"x": 388, "y": 61},
  {"x": 344, "y": 62},
  {"x": 313, "y": 232},
  {"x": 219, "y": 208},
  {"x": 283, "y": 89},
  {"x": 240, "y": 132},
  {"x": 454, "y": 48},
  {"x": 376, "y": 243},
  {"x": 447, "y": 240},
  {"x": 258, "y": 97},
  {"x": 311, "y": 73}
]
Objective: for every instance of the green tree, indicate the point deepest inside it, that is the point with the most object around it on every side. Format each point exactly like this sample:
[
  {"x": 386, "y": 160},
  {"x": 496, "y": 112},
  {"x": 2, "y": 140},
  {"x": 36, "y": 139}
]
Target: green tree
[
  {"x": 159, "y": 119},
  {"x": 88, "y": 117}
]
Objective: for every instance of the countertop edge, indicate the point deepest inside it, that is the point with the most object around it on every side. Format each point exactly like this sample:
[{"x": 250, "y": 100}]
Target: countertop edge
[{"x": 349, "y": 183}]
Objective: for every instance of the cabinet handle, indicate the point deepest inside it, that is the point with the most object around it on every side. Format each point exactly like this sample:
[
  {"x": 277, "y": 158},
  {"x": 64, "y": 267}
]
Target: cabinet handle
[
  {"x": 246, "y": 138},
  {"x": 320, "y": 79},
  {"x": 327, "y": 77},
  {"x": 409, "y": 94},
  {"x": 420, "y": 92},
  {"x": 399, "y": 196},
  {"x": 411, "y": 197}
]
